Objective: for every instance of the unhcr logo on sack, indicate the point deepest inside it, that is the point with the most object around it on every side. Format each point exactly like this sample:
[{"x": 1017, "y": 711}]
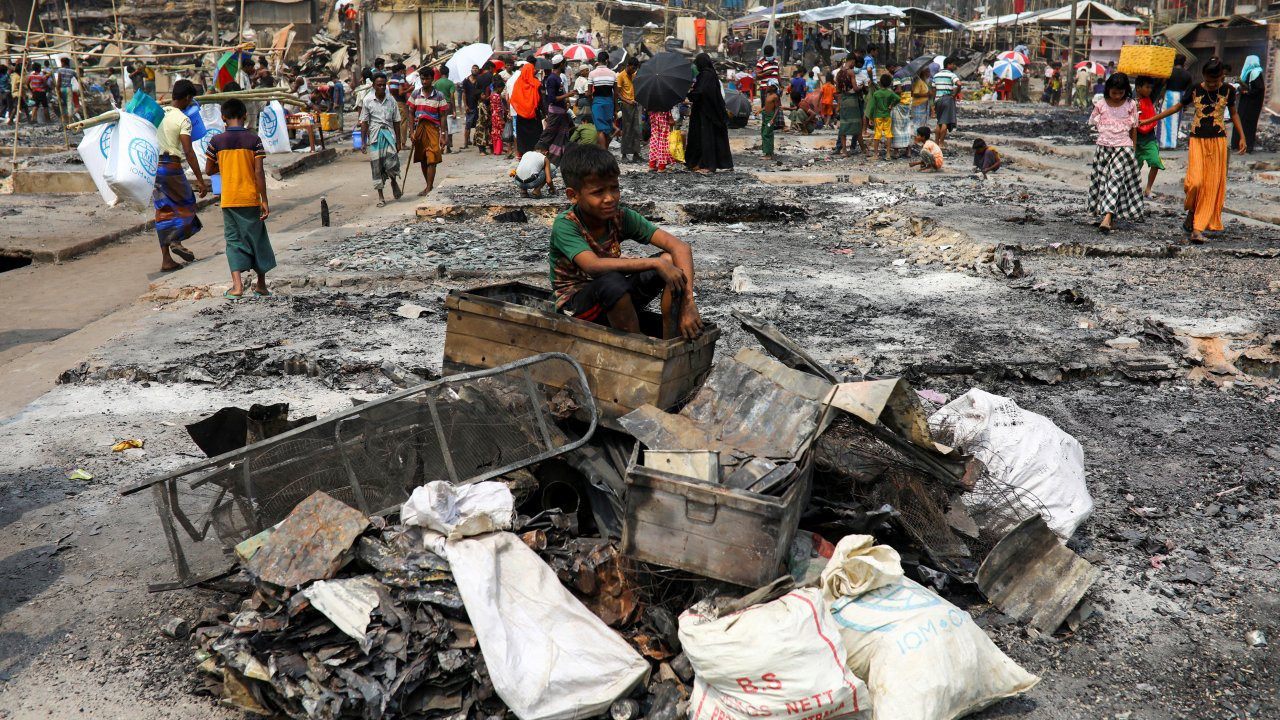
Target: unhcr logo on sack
[
  {"x": 144, "y": 155},
  {"x": 104, "y": 140},
  {"x": 267, "y": 119}
]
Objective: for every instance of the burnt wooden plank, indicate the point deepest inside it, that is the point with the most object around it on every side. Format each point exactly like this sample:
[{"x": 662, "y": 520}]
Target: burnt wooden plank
[
  {"x": 588, "y": 353},
  {"x": 606, "y": 385}
]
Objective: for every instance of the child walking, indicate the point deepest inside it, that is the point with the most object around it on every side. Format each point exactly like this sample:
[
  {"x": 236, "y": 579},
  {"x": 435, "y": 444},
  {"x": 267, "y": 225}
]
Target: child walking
[
  {"x": 659, "y": 136},
  {"x": 1206, "y": 182},
  {"x": 237, "y": 154},
  {"x": 1115, "y": 192},
  {"x": 497, "y": 115},
  {"x": 1148, "y": 147}
]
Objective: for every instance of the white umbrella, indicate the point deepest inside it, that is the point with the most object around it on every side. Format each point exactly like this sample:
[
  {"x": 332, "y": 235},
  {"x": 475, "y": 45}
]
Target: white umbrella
[
  {"x": 579, "y": 52},
  {"x": 459, "y": 66}
]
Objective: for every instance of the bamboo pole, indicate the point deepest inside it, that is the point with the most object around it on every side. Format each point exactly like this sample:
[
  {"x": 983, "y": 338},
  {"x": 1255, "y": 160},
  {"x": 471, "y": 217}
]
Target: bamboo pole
[
  {"x": 22, "y": 86},
  {"x": 113, "y": 115},
  {"x": 94, "y": 38},
  {"x": 75, "y": 60}
]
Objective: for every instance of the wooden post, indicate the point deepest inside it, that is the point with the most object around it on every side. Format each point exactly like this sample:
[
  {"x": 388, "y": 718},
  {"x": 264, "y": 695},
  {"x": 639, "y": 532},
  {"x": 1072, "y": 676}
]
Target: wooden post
[
  {"x": 213, "y": 22},
  {"x": 240, "y": 32},
  {"x": 75, "y": 58},
  {"x": 1071, "y": 50},
  {"x": 22, "y": 82}
]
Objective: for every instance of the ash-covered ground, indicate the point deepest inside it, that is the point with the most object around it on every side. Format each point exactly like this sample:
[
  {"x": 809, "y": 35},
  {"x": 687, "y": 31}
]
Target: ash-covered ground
[{"x": 949, "y": 280}]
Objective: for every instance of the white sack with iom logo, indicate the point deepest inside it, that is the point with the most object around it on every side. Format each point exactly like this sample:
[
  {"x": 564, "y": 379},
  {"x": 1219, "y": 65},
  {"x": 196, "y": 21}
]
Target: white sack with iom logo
[
  {"x": 132, "y": 159},
  {"x": 272, "y": 129},
  {"x": 921, "y": 657},
  {"x": 780, "y": 660}
]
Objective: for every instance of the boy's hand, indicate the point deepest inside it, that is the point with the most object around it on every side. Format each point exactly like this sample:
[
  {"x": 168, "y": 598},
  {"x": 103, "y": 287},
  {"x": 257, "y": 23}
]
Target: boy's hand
[
  {"x": 672, "y": 275},
  {"x": 263, "y": 210},
  {"x": 1242, "y": 148},
  {"x": 690, "y": 320}
]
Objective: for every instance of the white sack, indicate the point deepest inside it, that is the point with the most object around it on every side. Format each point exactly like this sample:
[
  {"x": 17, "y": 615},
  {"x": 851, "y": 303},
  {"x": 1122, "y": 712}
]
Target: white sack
[
  {"x": 212, "y": 116},
  {"x": 272, "y": 129},
  {"x": 458, "y": 512},
  {"x": 94, "y": 150},
  {"x": 549, "y": 657},
  {"x": 132, "y": 160},
  {"x": 780, "y": 659},
  {"x": 921, "y": 656},
  {"x": 859, "y": 565},
  {"x": 1021, "y": 450}
]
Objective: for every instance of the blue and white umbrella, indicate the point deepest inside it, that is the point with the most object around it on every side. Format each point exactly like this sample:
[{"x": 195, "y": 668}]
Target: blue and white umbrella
[{"x": 1007, "y": 69}]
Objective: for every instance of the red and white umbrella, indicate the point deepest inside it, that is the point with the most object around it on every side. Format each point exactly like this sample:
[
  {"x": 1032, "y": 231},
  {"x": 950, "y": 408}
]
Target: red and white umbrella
[
  {"x": 1094, "y": 67},
  {"x": 579, "y": 52},
  {"x": 1013, "y": 56},
  {"x": 550, "y": 48}
]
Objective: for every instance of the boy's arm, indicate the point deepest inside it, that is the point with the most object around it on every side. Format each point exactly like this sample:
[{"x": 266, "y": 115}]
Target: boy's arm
[
  {"x": 260, "y": 181},
  {"x": 682, "y": 260}
]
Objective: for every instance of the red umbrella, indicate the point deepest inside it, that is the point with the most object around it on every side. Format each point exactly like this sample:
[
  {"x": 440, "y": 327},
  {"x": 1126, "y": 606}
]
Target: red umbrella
[
  {"x": 578, "y": 52},
  {"x": 1094, "y": 66},
  {"x": 1013, "y": 56},
  {"x": 550, "y": 48}
]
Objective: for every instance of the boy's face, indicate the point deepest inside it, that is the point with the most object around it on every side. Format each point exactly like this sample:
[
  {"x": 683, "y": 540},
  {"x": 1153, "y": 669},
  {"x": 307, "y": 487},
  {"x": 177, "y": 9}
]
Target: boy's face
[
  {"x": 1144, "y": 91},
  {"x": 598, "y": 197}
]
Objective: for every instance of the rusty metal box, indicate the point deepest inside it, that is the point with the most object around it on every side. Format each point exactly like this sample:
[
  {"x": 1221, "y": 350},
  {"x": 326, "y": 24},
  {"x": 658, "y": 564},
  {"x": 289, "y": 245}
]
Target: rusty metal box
[
  {"x": 732, "y": 535},
  {"x": 497, "y": 324}
]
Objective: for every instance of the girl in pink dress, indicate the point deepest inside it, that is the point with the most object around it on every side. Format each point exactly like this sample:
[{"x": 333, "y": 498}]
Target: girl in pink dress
[{"x": 1115, "y": 190}]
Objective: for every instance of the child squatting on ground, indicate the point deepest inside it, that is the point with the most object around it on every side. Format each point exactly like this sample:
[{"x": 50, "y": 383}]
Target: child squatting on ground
[
  {"x": 237, "y": 154},
  {"x": 985, "y": 158},
  {"x": 930, "y": 157},
  {"x": 591, "y": 279}
]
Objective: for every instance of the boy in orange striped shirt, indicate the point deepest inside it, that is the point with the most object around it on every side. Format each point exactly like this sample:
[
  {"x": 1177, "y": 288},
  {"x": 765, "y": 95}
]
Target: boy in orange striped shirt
[{"x": 238, "y": 154}]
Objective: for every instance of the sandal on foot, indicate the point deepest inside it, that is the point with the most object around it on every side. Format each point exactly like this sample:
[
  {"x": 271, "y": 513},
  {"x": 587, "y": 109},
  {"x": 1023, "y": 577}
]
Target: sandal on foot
[
  {"x": 226, "y": 295},
  {"x": 381, "y": 203},
  {"x": 259, "y": 293},
  {"x": 182, "y": 252}
]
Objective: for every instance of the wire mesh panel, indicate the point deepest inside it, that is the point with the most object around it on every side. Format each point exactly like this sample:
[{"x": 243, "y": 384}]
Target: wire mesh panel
[{"x": 460, "y": 429}]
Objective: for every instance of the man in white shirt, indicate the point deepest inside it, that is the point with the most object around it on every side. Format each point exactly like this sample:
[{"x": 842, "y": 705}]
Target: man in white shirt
[{"x": 533, "y": 171}]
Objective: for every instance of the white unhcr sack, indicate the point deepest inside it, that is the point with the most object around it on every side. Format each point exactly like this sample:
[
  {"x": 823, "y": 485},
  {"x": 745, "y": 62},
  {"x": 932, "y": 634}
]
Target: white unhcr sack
[
  {"x": 272, "y": 128},
  {"x": 1027, "y": 457},
  {"x": 213, "y": 125},
  {"x": 782, "y": 659},
  {"x": 132, "y": 160},
  {"x": 921, "y": 656},
  {"x": 94, "y": 149}
]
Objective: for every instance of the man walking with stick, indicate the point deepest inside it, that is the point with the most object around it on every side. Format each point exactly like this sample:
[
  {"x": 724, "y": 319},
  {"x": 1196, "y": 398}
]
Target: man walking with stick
[{"x": 380, "y": 126}]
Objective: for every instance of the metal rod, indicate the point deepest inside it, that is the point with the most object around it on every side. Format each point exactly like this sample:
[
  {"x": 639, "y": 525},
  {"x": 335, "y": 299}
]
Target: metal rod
[
  {"x": 241, "y": 454},
  {"x": 346, "y": 465},
  {"x": 537, "y": 408}
]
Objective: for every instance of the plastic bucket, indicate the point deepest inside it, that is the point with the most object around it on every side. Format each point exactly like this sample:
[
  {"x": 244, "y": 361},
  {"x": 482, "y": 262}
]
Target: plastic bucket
[
  {"x": 357, "y": 139},
  {"x": 215, "y": 181}
]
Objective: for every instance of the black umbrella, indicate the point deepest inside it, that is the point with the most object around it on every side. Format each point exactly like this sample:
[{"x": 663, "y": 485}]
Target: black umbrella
[
  {"x": 542, "y": 63},
  {"x": 663, "y": 82},
  {"x": 736, "y": 103},
  {"x": 914, "y": 66}
]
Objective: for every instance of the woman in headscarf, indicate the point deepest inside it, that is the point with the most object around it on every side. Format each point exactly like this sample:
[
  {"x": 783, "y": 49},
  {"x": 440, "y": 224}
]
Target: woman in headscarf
[
  {"x": 708, "y": 147},
  {"x": 1249, "y": 106},
  {"x": 526, "y": 94}
]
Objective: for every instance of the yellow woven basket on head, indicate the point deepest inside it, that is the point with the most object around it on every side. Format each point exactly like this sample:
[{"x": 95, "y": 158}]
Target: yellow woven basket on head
[{"x": 1150, "y": 60}]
